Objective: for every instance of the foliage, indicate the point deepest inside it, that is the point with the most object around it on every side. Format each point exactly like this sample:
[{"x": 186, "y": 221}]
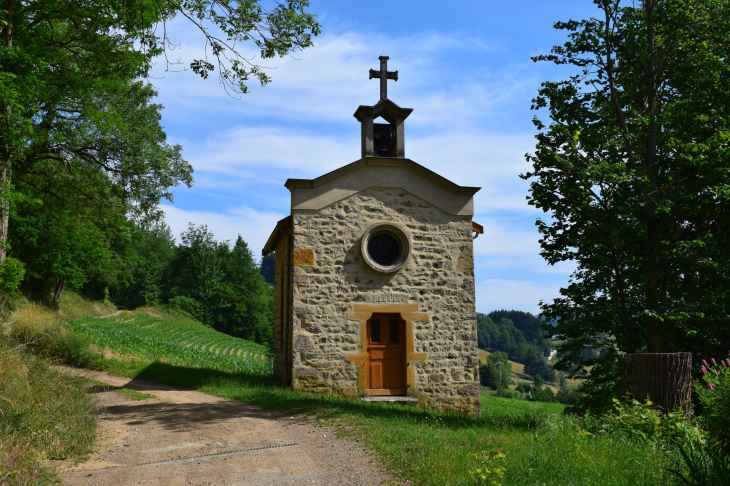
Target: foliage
[
  {"x": 639, "y": 422},
  {"x": 541, "y": 394},
  {"x": 65, "y": 247},
  {"x": 633, "y": 170},
  {"x": 504, "y": 335},
  {"x": 489, "y": 468},
  {"x": 538, "y": 381},
  {"x": 537, "y": 365},
  {"x": 79, "y": 134},
  {"x": 42, "y": 331},
  {"x": 713, "y": 393},
  {"x": 152, "y": 338},
  {"x": 44, "y": 414},
  {"x": 153, "y": 253},
  {"x": 706, "y": 463},
  {"x": 11, "y": 275},
  {"x": 489, "y": 372},
  {"x": 568, "y": 396},
  {"x": 532, "y": 327},
  {"x": 187, "y": 305},
  {"x": 220, "y": 285},
  {"x": 268, "y": 268}
]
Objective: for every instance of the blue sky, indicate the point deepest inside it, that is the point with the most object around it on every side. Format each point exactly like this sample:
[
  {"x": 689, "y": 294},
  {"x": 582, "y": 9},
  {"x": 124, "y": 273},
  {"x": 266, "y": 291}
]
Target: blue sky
[{"x": 465, "y": 69}]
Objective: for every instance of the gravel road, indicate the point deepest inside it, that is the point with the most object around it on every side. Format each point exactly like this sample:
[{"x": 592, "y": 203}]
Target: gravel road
[{"x": 184, "y": 437}]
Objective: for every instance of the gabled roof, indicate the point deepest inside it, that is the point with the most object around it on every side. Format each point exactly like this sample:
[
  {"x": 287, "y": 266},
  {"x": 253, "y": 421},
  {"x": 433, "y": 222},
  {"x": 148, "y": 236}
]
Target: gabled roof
[
  {"x": 382, "y": 172},
  {"x": 281, "y": 229},
  {"x": 384, "y": 108}
]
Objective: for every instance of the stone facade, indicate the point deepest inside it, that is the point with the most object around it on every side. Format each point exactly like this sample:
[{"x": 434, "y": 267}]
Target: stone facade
[{"x": 334, "y": 292}]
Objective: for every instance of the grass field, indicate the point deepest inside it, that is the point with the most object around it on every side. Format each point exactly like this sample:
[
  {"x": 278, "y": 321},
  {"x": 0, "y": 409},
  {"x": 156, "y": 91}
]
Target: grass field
[
  {"x": 541, "y": 445},
  {"x": 431, "y": 448},
  {"x": 175, "y": 342},
  {"x": 518, "y": 371},
  {"x": 44, "y": 414}
]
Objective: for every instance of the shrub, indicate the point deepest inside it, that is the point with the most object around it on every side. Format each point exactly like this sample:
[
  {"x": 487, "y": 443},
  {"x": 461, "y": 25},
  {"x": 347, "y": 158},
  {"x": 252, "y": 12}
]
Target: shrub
[
  {"x": 705, "y": 462},
  {"x": 188, "y": 305},
  {"x": 568, "y": 396},
  {"x": 489, "y": 373},
  {"x": 44, "y": 414},
  {"x": 542, "y": 395},
  {"x": 640, "y": 422},
  {"x": 713, "y": 392},
  {"x": 11, "y": 275},
  {"x": 42, "y": 330}
]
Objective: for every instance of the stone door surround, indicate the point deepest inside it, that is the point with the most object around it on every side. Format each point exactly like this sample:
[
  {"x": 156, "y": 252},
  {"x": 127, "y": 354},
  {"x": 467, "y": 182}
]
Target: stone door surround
[{"x": 362, "y": 312}]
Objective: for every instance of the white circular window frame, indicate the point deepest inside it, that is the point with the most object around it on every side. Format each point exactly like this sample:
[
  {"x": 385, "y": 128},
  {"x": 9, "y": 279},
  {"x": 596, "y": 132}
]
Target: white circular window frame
[{"x": 398, "y": 233}]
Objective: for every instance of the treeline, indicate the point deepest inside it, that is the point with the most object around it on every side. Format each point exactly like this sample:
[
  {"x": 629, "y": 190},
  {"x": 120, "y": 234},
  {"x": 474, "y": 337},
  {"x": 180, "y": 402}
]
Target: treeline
[
  {"x": 85, "y": 162},
  {"x": 520, "y": 336},
  {"x": 514, "y": 332},
  {"x": 100, "y": 255}
]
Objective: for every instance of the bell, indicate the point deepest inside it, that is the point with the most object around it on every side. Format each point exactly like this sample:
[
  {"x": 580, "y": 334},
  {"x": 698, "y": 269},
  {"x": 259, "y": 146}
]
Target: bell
[{"x": 383, "y": 139}]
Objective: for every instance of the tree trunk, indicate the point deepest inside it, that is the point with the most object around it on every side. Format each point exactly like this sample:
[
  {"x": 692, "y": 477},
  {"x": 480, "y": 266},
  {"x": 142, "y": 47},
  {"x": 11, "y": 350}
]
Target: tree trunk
[
  {"x": 663, "y": 378},
  {"x": 4, "y": 205},
  {"x": 6, "y": 150},
  {"x": 57, "y": 294}
]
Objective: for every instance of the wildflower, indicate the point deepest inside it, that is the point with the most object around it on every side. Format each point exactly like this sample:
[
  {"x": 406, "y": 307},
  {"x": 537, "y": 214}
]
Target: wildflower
[
  {"x": 712, "y": 388},
  {"x": 723, "y": 363},
  {"x": 715, "y": 372},
  {"x": 713, "y": 361},
  {"x": 704, "y": 370},
  {"x": 705, "y": 363}
]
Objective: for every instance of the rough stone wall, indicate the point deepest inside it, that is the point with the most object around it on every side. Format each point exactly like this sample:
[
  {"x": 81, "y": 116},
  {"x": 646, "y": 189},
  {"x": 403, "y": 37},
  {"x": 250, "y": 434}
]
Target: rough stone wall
[
  {"x": 330, "y": 275},
  {"x": 280, "y": 309}
]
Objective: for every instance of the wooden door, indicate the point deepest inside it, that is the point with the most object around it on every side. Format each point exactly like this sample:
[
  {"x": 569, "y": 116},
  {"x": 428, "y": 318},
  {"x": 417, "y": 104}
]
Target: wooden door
[{"x": 386, "y": 355}]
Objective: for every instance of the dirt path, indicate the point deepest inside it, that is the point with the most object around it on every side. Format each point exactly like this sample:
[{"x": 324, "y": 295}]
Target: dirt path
[{"x": 190, "y": 438}]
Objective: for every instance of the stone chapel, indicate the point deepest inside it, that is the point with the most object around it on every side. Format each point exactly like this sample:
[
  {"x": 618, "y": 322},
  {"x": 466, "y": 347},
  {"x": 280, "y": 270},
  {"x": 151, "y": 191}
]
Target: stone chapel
[{"x": 375, "y": 276}]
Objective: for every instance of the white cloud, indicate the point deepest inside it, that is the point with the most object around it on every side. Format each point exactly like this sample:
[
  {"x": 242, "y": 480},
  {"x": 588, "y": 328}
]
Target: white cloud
[
  {"x": 237, "y": 152},
  {"x": 328, "y": 81},
  {"x": 496, "y": 294},
  {"x": 301, "y": 126},
  {"x": 253, "y": 226}
]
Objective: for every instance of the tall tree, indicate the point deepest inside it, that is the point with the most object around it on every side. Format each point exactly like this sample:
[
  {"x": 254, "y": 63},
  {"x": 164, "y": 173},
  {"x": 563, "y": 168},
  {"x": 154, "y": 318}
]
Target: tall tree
[
  {"x": 249, "y": 300},
  {"x": 634, "y": 171},
  {"x": 61, "y": 61}
]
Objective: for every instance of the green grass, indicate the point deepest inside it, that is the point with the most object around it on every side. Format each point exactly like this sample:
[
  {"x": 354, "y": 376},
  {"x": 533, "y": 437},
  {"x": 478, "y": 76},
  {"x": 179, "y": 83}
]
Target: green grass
[
  {"x": 175, "y": 342},
  {"x": 133, "y": 394},
  {"x": 73, "y": 306},
  {"x": 44, "y": 414},
  {"x": 100, "y": 387},
  {"x": 541, "y": 445},
  {"x": 432, "y": 448}
]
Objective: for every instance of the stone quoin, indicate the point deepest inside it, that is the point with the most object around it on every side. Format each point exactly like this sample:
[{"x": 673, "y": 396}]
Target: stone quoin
[{"x": 374, "y": 287}]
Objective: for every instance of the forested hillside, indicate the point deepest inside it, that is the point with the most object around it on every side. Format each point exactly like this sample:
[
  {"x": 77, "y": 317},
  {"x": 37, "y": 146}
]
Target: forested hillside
[
  {"x": 216, "y": 282},
  {"x": 519, "y": 335}
]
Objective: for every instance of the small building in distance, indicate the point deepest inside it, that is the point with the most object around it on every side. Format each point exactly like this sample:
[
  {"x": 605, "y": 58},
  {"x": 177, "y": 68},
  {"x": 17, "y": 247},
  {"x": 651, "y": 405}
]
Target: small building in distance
[{"x": 375, "y": 276}]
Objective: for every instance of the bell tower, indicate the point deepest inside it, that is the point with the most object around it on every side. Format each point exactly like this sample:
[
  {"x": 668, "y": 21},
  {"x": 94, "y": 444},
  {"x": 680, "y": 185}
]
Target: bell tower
[{"x": 383, "y": 139}]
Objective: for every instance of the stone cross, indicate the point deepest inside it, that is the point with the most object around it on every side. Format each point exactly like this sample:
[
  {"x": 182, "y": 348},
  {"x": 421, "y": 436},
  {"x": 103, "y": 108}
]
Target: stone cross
[{"x": 384, "y": 76}]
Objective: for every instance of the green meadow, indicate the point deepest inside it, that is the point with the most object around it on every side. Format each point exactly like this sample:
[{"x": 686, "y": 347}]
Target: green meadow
[{"x": 540, "y": 445}]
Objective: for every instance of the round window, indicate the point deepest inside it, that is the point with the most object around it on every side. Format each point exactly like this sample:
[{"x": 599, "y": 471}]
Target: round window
[{"x": 385, "y": 247}]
